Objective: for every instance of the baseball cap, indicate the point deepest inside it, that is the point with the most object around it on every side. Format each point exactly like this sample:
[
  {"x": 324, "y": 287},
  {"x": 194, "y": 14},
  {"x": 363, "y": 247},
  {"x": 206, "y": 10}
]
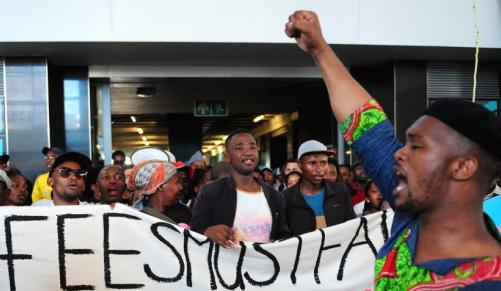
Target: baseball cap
[
  {"x": 264, "y": 168},
  {"x": 81, "y": 159},
  {"x": 55, "y": 150},
  {"x": 313, "y": 146}
]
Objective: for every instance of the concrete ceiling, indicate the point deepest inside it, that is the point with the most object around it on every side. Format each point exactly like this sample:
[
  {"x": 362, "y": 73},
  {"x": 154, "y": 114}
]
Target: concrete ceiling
[
  {"x": 246, "y": 98},
  {"x": 226, "y": 54}
]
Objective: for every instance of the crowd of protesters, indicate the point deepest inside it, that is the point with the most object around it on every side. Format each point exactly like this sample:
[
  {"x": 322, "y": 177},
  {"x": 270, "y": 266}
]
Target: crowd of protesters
[{"x": 239, "y": 200}]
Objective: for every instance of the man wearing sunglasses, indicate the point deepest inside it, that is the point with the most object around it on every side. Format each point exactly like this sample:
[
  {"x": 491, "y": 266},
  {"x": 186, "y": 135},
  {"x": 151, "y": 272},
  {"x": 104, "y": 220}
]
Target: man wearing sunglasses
[{"x": 67, "y": 179}]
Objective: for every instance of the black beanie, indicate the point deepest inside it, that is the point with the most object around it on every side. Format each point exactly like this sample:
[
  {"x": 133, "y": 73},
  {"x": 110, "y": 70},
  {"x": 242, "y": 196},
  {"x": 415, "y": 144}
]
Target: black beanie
[{"x": 471, "y": 120}]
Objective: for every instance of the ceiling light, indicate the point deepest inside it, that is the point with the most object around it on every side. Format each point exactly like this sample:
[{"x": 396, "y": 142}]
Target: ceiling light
[
  {"x": 145, "y": 92},
  {"x": 140, "y": 130},
  {"x": 144, "y": 138},
  {"x": 147, "y": 144},
  {"x": 132, "y": 118},
  {"x": 258, "y": 118}
]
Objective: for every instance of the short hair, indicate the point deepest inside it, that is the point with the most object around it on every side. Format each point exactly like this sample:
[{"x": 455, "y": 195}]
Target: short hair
[
  {"x": 345, "y": 165},
  {"x": 119, "y": 169},
  {"x": 235, "y": 132},
  {"x": 14, "y": 172},
  {"x": 117, "y": 153},
  {"x": 333, "y": 161}
]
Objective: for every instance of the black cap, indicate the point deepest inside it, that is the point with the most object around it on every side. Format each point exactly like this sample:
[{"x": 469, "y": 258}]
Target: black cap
[
  {"x": 4, "y": 159},
  {"x": 471, "y": 120},
  {"x": 55, "y": 150},
  {"x": 81, "y": 159}
]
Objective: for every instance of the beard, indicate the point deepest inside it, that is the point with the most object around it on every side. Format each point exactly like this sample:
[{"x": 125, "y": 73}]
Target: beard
[
  {"x": 432, "y": 185},
  {"x": 69, "y": 196}
]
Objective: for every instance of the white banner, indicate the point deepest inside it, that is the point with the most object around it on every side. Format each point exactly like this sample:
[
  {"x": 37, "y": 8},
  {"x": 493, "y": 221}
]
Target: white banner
[{"x": 98, "y": 248}]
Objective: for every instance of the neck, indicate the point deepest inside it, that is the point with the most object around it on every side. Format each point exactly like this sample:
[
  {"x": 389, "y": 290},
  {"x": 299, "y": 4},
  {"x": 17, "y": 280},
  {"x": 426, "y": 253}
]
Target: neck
[
  {"x": 307, "y": 187},
  {"x": 455, "y": 231},
  {"x": 245, "y": 182},
  {"x": 156, "y": 203},
  {"x": 58, "y": 201}
]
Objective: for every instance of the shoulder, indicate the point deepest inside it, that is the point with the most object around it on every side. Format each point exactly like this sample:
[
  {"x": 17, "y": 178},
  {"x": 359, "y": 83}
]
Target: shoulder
[
  {"x": 215, "y": 186},
  {"x": 41, "y": 177},
  {"x": 336, "y": 186},
  {"x": 291, "y": 192}
]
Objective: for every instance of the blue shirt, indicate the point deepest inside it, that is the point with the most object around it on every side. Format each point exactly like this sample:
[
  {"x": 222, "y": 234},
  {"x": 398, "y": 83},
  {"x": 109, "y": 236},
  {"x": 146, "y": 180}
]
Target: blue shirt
[{"x": 316, "y": 202}]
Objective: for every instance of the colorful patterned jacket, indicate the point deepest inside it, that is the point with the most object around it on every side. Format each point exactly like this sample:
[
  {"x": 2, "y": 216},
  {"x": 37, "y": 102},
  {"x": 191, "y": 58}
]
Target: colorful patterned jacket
[{"x": 372, "y": 137}]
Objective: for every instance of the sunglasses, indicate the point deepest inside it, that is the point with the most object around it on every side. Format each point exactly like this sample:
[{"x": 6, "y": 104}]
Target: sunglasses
[{"x": 66, "y": 172}]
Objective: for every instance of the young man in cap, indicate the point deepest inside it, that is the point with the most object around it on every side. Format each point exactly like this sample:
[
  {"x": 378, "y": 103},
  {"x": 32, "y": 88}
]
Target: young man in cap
[
  {"x": 440, "y": 238},
  {"x": 67, "y": 179},
  {"x": 315, "y": 203},
  {"x": 267, "y": 175},
  {"x": 110, "y": 185},
  {"x": 197, "y": 161},
  {"x": 240, "y": 207},
  {"x": 41, "y": 189},
  {"x": 160, "y": 185}
]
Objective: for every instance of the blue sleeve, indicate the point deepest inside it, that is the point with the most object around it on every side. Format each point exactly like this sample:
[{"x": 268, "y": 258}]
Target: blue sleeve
[{"x": 376, "y": 149}]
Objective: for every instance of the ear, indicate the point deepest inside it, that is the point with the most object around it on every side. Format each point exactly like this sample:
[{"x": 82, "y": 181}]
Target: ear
[
  {"x": 50, "y": 182},
  {"x": 226, "y": 157},
  {"x": 464, "y": 168}
]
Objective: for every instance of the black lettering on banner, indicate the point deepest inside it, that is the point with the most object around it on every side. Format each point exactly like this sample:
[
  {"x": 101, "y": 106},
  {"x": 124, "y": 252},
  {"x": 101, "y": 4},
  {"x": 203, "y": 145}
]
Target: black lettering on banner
[
  {"x": 213, "y": 285},
  {"x": 363, "y": 223},
  {"x": 296, "y": 261},
  {"x": 384, "y": 226},
  {"x": 320, "y": 251},
  {"x": 276, "y": 268},
  {"x": 107, "y": 252},
  {"x": 187, "y": 235},
  {"x": 156, "y": 233},
  {"x": 63, "y": 251},
  {"x": 239, "y": 282},
  {"x": 10, "y": 256}
]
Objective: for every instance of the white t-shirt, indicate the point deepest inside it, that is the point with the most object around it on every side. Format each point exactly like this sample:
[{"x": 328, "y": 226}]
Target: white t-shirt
[{"x": 253, "y": 217}]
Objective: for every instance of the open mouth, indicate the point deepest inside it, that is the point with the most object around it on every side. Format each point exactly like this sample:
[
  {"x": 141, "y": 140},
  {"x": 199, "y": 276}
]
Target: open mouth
[
  {"x": 248, "y": 162},
  {"x": 73, "y": 186},
  {"x": 402, "y": 182},
  {"x": 112, "y": 192}
]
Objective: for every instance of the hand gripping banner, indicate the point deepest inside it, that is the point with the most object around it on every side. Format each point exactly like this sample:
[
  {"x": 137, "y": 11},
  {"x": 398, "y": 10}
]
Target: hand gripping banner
[{"x": 99, "y": 248}]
